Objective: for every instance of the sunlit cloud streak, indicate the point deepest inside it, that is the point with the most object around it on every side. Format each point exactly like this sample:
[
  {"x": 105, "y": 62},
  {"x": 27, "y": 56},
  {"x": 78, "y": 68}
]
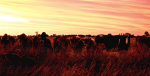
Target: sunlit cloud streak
[
  {"x": 11, "y": 19},
  {"x": 76, "y": 16}
]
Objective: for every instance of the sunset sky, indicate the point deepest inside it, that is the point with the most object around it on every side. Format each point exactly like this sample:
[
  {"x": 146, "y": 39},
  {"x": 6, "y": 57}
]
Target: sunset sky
[{"x": 74, "y": 16}]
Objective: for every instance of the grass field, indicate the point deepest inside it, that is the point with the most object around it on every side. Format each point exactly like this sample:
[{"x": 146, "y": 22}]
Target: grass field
[{"x": 43, "y": 62}]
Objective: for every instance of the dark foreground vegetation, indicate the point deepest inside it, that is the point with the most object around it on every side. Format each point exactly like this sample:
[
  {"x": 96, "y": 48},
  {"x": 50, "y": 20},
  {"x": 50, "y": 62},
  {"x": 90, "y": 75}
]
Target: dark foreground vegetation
[{"x": 20, "y": 61}]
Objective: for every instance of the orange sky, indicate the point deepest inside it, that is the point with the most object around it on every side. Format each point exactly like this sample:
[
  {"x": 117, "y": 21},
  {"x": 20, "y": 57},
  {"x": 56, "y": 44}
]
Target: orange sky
[{"x": 74, "y": 16}]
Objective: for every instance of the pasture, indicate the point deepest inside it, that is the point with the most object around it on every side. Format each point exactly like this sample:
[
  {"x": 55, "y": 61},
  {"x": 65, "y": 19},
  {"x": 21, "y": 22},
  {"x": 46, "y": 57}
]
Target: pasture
[{"x": 41, "y": 62}]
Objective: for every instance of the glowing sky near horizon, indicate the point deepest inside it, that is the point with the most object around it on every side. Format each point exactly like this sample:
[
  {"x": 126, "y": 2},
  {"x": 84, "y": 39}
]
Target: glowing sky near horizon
[{"x": 74, "y": 16}]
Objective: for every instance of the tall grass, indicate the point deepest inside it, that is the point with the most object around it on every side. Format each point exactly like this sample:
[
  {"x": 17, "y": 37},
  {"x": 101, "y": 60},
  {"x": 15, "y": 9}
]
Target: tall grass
[{"x": 135, "y": 61}]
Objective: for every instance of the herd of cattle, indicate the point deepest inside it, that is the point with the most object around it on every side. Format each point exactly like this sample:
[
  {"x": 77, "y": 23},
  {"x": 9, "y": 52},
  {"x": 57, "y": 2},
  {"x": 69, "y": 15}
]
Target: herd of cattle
[{"x": 121, "y": 42}]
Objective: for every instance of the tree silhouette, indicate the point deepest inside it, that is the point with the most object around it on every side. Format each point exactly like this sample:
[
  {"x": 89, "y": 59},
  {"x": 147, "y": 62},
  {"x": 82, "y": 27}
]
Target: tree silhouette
[{"x": 146, "y": 33}]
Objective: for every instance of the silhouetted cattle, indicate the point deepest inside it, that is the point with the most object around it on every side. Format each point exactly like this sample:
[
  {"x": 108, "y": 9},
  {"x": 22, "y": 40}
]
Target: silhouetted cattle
[
  {"x": 91, "y": 45},
  {"x": 56, "y": 41},
  {"x": 109, "y": 40},
  {"x": 12, "y": 40},
  {"x": 41, "y": 41},
  {"x": 25, "y": 41},
  {"x": 86, "y": 40},
  {"x": 74, "y": 40},
  {"x": 7, "y": 40},
  {"x": 124, "y": 42},
  {"x": 61, "y": 43},
  {"x": 99, "y": 39},
  {"x": 89, "y": 42},
  {"x": 77, "y": 43},
  {"x": 37, "y": 42},
  {"x": 62, "y": 48},
  {"x": 144, "y": 40},
  {"x": 47, "y": 42}
]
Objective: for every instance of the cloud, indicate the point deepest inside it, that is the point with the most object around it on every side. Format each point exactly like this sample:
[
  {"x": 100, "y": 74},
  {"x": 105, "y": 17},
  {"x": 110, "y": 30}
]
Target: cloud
[
  {"x": 70, "y": 16},
  {"x": 12, "y": 19}
]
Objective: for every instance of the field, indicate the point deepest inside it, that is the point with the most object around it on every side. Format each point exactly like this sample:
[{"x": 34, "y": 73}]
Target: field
[{"x": 44, "y": 62}]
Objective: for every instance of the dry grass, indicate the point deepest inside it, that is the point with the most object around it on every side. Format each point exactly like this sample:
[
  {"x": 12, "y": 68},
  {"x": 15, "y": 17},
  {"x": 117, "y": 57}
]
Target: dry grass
[{"x": 135, "y": 61}]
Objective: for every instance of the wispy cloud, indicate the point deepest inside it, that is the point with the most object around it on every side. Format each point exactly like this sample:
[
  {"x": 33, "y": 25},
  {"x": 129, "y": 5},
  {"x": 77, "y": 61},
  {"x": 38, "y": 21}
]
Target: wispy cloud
[{"x": 78, "y": 16}]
